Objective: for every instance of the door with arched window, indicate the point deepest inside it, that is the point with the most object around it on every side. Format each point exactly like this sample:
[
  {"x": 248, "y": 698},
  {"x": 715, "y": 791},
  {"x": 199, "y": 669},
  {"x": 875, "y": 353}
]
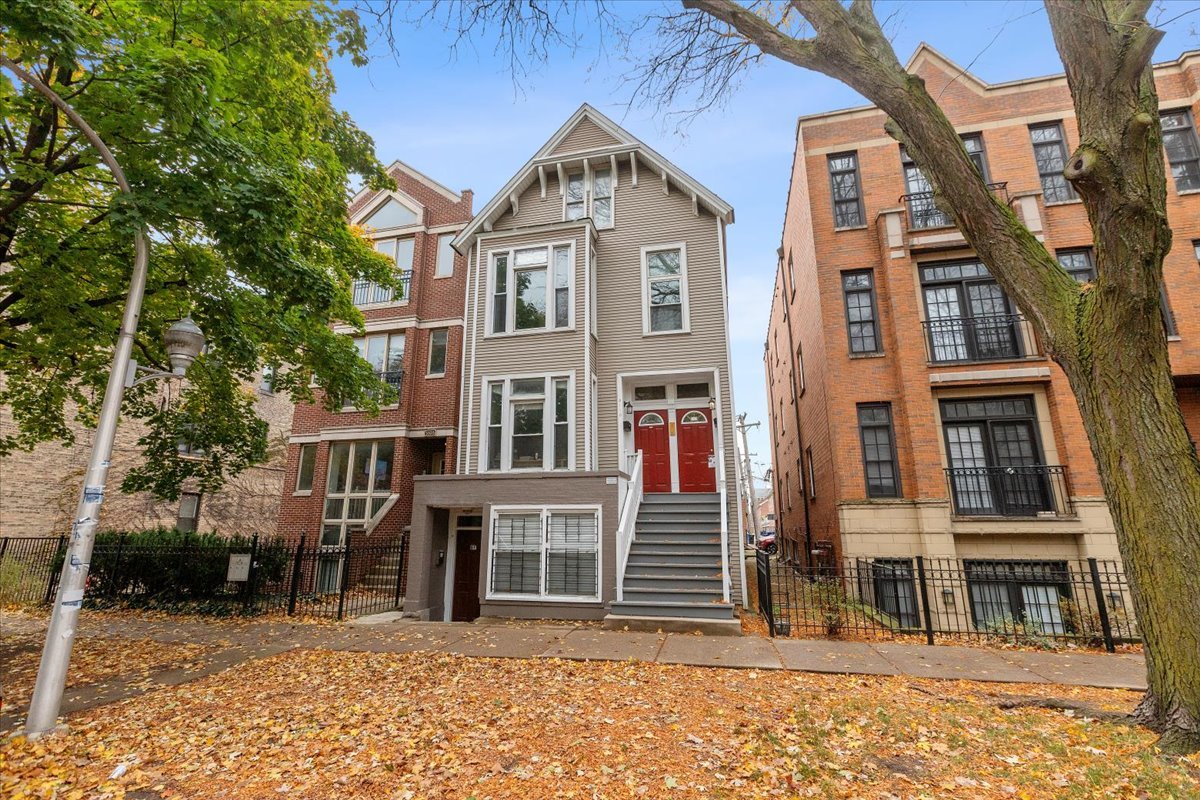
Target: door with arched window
[
  {"x": 650, "y": 435},
  {"x": 697, "y": 454}
]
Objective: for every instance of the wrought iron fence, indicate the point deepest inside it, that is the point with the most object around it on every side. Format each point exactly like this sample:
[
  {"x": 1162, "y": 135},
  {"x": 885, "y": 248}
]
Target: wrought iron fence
[
  {"x": 359, "y": 577},
  {"x": 1035, "y": 490},
  {"x": 1038, "y": 602}
]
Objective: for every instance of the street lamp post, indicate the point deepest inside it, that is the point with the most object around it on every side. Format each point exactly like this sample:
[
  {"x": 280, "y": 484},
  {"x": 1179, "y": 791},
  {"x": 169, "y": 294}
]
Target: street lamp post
[{"x": 184, "y": 343}]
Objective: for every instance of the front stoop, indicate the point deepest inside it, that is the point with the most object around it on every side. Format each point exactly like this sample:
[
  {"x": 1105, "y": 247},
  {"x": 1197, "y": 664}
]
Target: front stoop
[
  {"x": 673, "y": 576},
  {"x": 708, "y": 627}
]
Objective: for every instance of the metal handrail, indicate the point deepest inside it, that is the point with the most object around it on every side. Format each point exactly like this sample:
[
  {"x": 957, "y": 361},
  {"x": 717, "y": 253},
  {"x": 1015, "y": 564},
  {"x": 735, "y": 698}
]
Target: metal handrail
[
  {"x": 923, "y": 212},
  {"x": 1013, "y": 491},
  {"x": 630, "y": 503},
  {"x": 991, "y": 337}
]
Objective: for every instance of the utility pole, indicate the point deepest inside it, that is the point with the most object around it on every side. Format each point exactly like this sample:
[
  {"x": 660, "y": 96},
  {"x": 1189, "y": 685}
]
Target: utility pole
[{"x": 742, "y": 427}]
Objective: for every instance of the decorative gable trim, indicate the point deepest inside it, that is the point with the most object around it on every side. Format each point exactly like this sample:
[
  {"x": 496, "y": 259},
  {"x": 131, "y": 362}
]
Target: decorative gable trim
[{"x": 375, "y": 203}]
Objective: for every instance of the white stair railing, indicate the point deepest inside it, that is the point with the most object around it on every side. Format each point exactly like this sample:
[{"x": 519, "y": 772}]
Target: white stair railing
[{"x": 631, "y": 501}]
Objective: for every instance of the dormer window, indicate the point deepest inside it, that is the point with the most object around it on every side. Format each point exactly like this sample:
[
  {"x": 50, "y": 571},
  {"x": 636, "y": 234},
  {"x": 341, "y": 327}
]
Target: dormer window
[{"x": 601, "y": 196}]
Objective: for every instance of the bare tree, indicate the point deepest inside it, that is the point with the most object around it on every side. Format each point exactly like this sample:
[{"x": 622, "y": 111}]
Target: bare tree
[{"x": 1107, "y": 335}]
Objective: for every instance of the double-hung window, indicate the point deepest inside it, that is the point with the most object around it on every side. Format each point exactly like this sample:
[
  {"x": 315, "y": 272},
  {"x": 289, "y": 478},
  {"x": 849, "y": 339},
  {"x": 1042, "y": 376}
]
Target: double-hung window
[
  {"x": 664, "y": 284},
  {"x": 445, "y": 256},
  {"x": 1050, "y": 153},
  {"x": 1183, "y": 151},
  {"x": 1079, "y": 265},
  {"x": 599, "y": 196},
  {"x": 545, "y": 553},
  {"x": 847, "y": 191},
  {"x": 528, "y": 426},
  {"x": 401, "y": 252},
  {"x": 437, "y": 352},
  {"x": 861, "y": 323},
  {"x": 385, "y": 353},
  {"x": 879, "y": 449},
  {"x": 307, "y": 463},
  {"x": 531, "y": 289}
]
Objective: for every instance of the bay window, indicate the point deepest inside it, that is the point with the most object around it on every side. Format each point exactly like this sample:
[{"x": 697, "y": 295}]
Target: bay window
[
  {"x": 545, "y": 553},
  {"x": 358, "y": 486},
  {"x": 531, "y": 289},
  {"x": 528, "y": 423}
]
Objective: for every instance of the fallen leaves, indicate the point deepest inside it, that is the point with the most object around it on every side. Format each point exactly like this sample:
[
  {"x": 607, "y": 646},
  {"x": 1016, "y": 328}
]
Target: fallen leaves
[{"x": 324, "y": 724}]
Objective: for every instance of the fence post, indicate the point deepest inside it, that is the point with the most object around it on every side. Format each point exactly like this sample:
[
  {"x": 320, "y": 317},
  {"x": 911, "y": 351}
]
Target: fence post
[
  {"x": 52, "y": 581},
  {"x": 345, "y": 575},
  {"x": 766, "y": 604},
  {"x": 1102, "y": 607},
  {"x": 3, "y": 546},
  {"x": 925, "y": 599},
  {"x": 248, "y": 606},
  {"x": 295, "y": 589}
]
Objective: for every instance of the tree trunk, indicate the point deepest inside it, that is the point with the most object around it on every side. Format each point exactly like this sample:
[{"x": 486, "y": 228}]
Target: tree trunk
[{"x": 1108, "y": 335}]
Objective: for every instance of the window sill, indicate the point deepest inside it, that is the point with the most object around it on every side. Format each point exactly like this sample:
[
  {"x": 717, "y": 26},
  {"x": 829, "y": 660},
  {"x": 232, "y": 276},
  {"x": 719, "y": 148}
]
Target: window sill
[
  {"x": 1175, "y": 338},
  {"x": 302, "y": 493},
  {"x": 435, "y": 375},
  {"x": 528, "y": 332},
  {"x": 683, "y": 332},
  {"x": 857, "y": 356},
  {"x": 1002, "y": 518},
  {"x": 1076, "y": 202},
  {"x": 1185, "y": 192},
  {"x": 540, "y": 598},
  {"x": 862, "y": 227},
  {"x": 443, "y": 277}
]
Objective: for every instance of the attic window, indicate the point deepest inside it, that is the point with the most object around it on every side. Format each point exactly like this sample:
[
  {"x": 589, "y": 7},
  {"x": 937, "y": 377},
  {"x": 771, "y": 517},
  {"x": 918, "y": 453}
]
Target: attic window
[
  {"x": 598, "y": 197},
  {"x": 392, "y": 214}
]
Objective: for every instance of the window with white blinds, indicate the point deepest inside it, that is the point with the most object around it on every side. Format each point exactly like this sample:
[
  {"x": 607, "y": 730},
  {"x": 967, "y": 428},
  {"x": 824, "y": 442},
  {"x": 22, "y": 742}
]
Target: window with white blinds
[{"x": 546, "y": 554}]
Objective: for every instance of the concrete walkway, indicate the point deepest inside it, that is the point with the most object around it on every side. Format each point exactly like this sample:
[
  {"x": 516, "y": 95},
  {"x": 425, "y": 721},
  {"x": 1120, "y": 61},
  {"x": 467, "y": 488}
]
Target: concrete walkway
[{"x": 388, "y": 633}]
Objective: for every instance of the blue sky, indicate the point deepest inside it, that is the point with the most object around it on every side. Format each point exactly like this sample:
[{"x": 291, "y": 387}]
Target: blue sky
[{"x": 460, "y": 119}]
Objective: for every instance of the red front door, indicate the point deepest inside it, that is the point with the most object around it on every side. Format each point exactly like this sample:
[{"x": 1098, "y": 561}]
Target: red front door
[
  {"x": 697, "y": 466},
  {"x": 650, "y": 435}
]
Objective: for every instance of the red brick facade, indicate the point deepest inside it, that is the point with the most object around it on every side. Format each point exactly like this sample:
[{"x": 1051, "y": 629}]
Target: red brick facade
[
  {"x": 423, "y": 425},
  {"x": 818, "y": 412}
]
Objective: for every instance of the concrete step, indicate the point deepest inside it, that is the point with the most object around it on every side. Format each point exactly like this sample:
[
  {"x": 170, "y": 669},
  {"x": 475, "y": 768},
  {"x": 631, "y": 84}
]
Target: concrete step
[
  {"x": 705, "y": 595},
  {"x": 654, "y": 580},
  {"x": 628, "y": 608},
  {"x": 649, "y": 566}
]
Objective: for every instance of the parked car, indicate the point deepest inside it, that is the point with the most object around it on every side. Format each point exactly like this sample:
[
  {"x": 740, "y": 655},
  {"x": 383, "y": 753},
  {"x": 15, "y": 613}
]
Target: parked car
[{"x": 766, "y": 543}]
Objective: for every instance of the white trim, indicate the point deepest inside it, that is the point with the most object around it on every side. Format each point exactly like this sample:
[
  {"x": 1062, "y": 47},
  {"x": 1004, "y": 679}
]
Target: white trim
[
  {"x": 737, "y": 464},
  {"x": 451, "y": 564},
  {"x": 671, "y": 379},
  {"x": 397, "y": 324},
  {"x": 365, "y": 432},
  {"x": 510, "y": 299},
  {"x": 683, "y": 288},
  {"x": 437, "y": 256},
  {"x": 379, "y": 201},
  {"x": 296, "y": 490},
  {"x": 548, "y": 422},
  {"x": 546, "y": 511},
  {"x": 589, "y": 445}
]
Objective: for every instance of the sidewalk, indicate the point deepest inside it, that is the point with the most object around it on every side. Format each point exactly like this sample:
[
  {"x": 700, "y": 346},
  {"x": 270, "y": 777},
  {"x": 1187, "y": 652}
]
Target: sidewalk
[{"x": 387, "y": 633}]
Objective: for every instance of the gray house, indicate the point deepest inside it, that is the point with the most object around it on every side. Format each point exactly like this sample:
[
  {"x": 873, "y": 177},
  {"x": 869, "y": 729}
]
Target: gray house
[{"x": 596, "y": 475}]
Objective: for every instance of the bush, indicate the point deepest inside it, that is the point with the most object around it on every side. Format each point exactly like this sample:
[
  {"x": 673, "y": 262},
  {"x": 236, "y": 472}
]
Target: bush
[{"x": 163, "y": 564}]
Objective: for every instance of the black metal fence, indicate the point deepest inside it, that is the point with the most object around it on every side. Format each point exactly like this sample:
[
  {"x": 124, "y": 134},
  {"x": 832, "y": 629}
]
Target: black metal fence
[
  {"x": 1039, "y": 602},
  {"x": 357, "y": 578}
]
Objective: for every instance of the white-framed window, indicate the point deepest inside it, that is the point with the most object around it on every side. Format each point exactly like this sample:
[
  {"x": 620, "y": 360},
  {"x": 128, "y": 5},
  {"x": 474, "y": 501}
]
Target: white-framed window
[
  {"x": 188, "y": 519},
  {"x": 528, "y": 423},
  {"x": 544, "y": 553},
  {"x": 532, "y": 289},
  {"x": 385, "y": 353},
  {"x": 437, "y": 352},
  {"x": 307, "y": 465},
  {"x": 266, "y": 383},
  {"x": 392, "y": 214},
  {"x": 594, "y": 196},
  {"x": 445, "y": 256},
  {"x": 359, "y": 483},
  {"x": 664, "y": 289},
  {"x": 400, "y": 250}
]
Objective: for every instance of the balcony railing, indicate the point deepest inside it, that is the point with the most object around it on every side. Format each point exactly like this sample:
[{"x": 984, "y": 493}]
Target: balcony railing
[
  {"x": 996, "y": 337},
  {"x": 923, "y": 213},
  {"x": 368, "y": 292},
  {"x": 393, "y": 378},
  {"x": 1028, "y": 491}
]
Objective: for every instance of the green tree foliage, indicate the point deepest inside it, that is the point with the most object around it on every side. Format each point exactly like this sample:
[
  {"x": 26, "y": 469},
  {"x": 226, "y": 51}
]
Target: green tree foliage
[{"x": 221, "y": 116}]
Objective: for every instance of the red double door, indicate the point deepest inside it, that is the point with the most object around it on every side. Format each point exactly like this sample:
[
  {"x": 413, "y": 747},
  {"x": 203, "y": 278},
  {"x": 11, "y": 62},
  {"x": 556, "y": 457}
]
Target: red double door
[{"x": 695, "y": 459}]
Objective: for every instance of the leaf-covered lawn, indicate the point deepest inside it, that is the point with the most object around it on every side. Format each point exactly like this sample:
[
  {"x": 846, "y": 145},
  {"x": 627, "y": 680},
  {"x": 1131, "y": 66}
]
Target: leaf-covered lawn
[{"x": 322, "y": 724}]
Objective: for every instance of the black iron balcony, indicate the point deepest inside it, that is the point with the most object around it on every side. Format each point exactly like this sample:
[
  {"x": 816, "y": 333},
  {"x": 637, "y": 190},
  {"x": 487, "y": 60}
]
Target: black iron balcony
[
  {"x": 965, "y": 340},
  {"x": 923, "y": 213},
  {"x": 1026, "y": 491},
  {"x": 393, "y": 378},
  {"x": 368, "y": 293}
]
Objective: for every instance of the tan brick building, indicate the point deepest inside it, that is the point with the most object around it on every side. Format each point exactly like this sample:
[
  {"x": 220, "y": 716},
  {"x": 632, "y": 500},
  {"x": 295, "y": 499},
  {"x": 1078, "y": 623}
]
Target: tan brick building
[
  {"x": 39, "y": 489},
  {"x": 913, "y": 411},
  {"x": 350, "y": 473}
]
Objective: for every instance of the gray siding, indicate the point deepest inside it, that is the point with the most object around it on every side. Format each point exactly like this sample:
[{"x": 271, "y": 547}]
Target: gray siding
[{"x": 586, "y": 136}]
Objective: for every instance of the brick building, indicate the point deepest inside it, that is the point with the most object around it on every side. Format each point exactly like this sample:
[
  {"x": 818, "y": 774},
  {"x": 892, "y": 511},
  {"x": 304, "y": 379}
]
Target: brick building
[
  {"x": 39, "y": 488},
  {"x": 912, "y": 409},
  {"x": 352, "y": 473}
]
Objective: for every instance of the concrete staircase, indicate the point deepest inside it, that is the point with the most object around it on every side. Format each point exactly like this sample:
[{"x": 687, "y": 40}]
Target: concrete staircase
[
  {"x": 383, "y": 576},
  {"x": 674, "y": 568}
]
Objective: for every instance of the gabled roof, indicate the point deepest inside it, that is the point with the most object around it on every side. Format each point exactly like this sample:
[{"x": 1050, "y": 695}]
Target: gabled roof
[
  {"x": 623, "y": 142},
  {"x": 367, "y": 194}
]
